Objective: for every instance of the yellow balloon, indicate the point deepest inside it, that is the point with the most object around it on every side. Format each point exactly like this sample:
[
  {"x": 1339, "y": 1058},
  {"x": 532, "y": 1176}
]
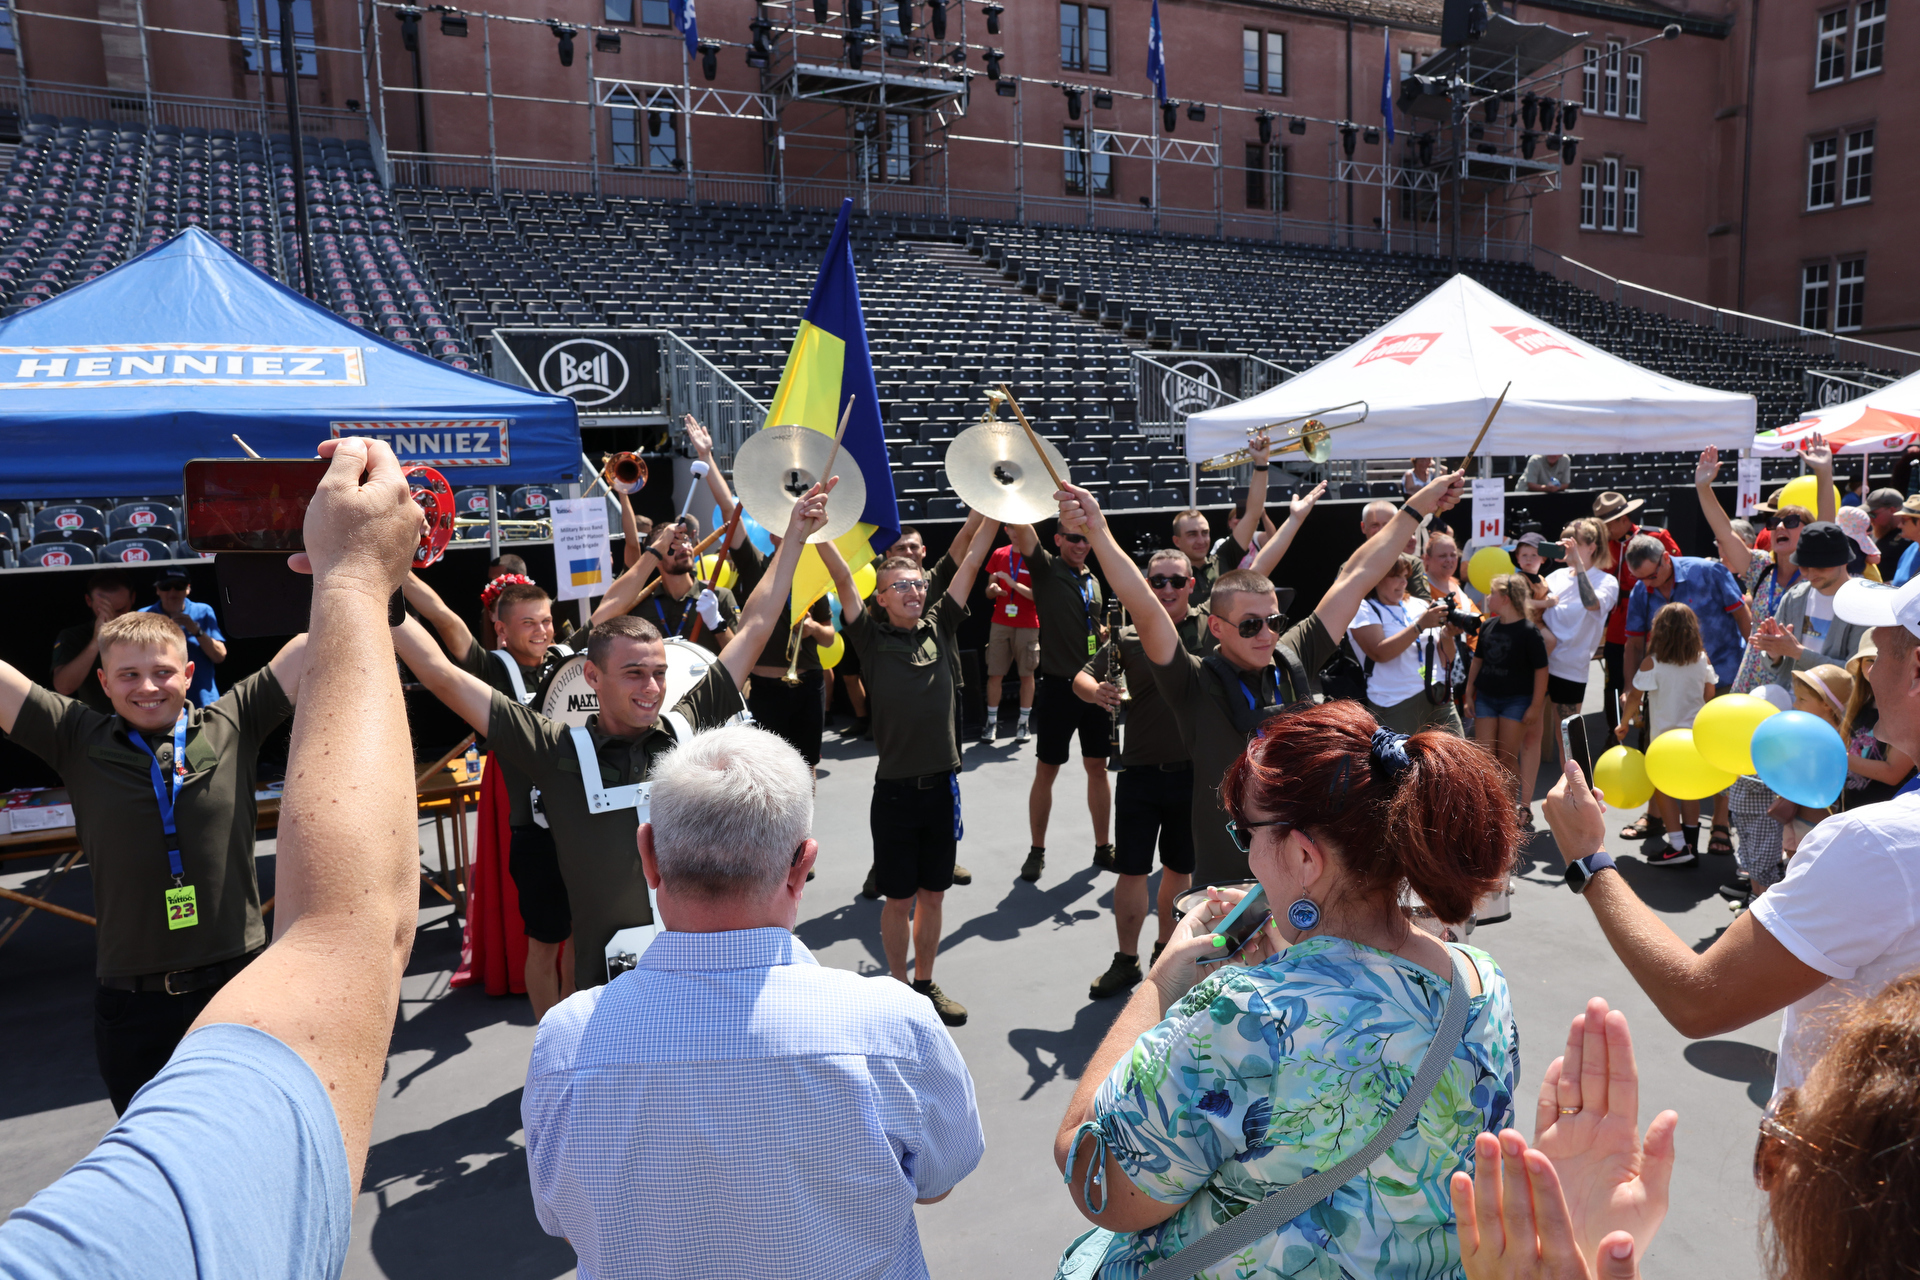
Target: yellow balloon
[
  {"x": 1803, "y": 491},
  {"x": 1621, "y": 775},
  {"x": 1676, "y": 767},
  {"x": 1723, "y": 731},
  {"x": 831, "y": 654},
  {"x": 727, "y": 576},
  {"x": 1487, "y": 564},
  {"x": 863, "y": 580}
]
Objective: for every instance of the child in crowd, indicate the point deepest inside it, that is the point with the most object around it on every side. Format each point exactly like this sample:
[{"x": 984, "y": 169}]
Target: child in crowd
[
  {"x": 1824, "y": 691},
  {"x": 1678, "y": 676},
  {"x": 1507, "y": 682},
  {"x": 1875, "y": 771}
]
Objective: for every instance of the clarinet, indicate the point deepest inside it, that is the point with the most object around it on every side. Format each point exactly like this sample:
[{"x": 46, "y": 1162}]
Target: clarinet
[{"x": 1116, "y": 619}]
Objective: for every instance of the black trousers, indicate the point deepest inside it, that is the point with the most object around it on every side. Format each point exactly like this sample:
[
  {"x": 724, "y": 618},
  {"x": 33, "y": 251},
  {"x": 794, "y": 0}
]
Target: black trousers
[
  {"x": 1614, "y": 659},
  {"x": 134, "y": 1033},
  {"x": 793, "y": 711}
]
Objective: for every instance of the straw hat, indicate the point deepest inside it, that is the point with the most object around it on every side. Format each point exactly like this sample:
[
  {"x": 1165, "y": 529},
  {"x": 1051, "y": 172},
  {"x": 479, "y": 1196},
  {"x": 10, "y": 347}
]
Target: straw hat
[{"x": 1831, "y": 685}]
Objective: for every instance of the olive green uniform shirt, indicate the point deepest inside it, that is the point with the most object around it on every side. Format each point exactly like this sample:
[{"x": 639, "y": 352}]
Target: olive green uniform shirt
[
  {"x": 118, "y": 822},
  {"x": 1199, "y": 704},
  {"x": 752, "y": 567},
  {"x": 598, "y": 858},
  {"x": 67, "y": 646},
  {"x": 909, "y": 677},
  {"x": 483, "y": 663},
  {"x": 1071, "y": 609},
  {"x": 676, "y": 617},
  {"x": 1151, "y": 737}
]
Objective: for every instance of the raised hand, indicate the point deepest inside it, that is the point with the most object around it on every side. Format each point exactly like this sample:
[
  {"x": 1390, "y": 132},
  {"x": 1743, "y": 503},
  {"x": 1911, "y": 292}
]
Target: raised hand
[
  {"x": 1587, "y": 1123},
  {"x": 1079, "y": 512},
  {"x": 1707, "y": 470},
  {"x": 1299, "y": 506},
  {"x": 1442, "y": 493},
  {"x": 1817, "y": 453},
  {"x": 809, "y": 515},
  {"x": 1261, "y": 448},
  {"x": 697, "y": 436},
  {"x": 1513, "y": 1224},
  {"x": 363, "y": 524}
]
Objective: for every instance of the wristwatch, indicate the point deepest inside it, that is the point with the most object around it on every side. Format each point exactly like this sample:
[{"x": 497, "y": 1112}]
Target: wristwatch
[
  {"x": 1581, "y": 871},
  {"x": 1258, "y": 467}
]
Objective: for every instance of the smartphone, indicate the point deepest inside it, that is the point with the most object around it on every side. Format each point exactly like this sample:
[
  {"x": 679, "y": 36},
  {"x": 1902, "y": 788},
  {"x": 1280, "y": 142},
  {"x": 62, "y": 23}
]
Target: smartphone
[
  {"x": 1574, "y": 745},
  {"x": 249, "y": 504},
  {"x": 1240, "y": 924}
]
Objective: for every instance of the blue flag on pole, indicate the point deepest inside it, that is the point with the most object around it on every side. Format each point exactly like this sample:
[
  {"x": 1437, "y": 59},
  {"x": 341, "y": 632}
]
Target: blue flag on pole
[
  {"x": 1387, "y": 83},
  {"x": 685, "y": 22},
  {"x": 1157, "y": 57}
]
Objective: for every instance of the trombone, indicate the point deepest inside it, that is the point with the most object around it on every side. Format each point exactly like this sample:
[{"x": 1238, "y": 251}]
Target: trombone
[{"x": 1309, "y": 437}]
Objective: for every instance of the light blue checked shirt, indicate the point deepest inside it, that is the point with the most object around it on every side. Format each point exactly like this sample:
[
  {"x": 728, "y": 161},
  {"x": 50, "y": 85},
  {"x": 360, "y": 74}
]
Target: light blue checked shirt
[{"x": 730, "y": 1107}]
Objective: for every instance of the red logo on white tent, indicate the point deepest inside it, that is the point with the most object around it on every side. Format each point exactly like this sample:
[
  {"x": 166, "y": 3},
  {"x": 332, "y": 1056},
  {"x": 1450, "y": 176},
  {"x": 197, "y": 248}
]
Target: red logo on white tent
[
  {"x": 55, "y": 557},
  {"x": 1404, "y": 347},
  {"x": 128, "y": 555},
  {"x": 1531, "y": 340},
  {"x": 68, "y": 520}
]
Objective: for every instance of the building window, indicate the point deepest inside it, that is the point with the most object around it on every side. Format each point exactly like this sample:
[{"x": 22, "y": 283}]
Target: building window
[
  {"x": 1609, "y": 194},
  {"x": 1814, "y": 283},
  {"x": 1250, "y": 60},
  {"x": 1077, "y": 161},
  {"x": 1869, "y": 33},
  {"x": 303, "y": 41},
  {"x": 890, "y": 158},
  {"x": 655, "y": 13},
  {"x": 1256, "y": 176},
  {"x": 1590, "y": 80},
  {"x": 1830, "y": 60},
  {"x": 1610, "y": 81},
  {"x": 649, "y": 138},
  {"x": 1630, "y": 107},
  {"x": 1263, "y": 61},
  {"x": 1083, "y": 38},
  {"x": 620, "y": 11},
  {"x": 1276, "y": 62},
  {"x": 1277, "y": 166},
  {"x": 1589, "y": 193},
  {"x": 7, "y": 41},
  {"x": 1850, "y": 296},
  {"x": 1823, "y": 159},
  {"x": 1630, "y": 201},
  {"x": 1858, "y": 186},
  {"x": 625, "y": 133}
]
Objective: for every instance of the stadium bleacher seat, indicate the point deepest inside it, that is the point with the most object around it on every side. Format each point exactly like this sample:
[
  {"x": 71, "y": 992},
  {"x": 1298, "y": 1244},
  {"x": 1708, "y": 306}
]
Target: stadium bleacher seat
[
  {"x": 133, "y": 551},
  {"x": 183, "y": 550},
  {"x": 470, "y": 502},
  {"x": 6, "y": 532},
  {"x": 530, "y": 501},
  {"x": 48, "y": 555},
  {"x": 143, "y": 520},
  {"x": 70, "y": 522}
]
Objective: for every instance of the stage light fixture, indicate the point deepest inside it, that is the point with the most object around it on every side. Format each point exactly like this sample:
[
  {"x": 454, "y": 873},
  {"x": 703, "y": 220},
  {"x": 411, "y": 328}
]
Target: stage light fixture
[
  {"x": 1102, "y": 100},
  {"x": 820, "y": 13},
  {"x": 1490, "y": 111},
  {"x": 1008, "y": 88},
  {"x": 709, "y": 59},
  {"x": 1197, "y": 111},
  {"x": 760, "y": 53},
  {"x": 856, "y": 13},
  {"x": 1475, "y": 132},
  {"x": 1568, "y": 148},
  {"x": 1670, "y": 32},
  {"x": 1426, "y": 148},
  {"x": 906, "y": 17},
  {"x": 451, "y": 23},
  {"x": 992, "y": 57},
  {"x": 606, "y": 42},
  {"x": 1553, "y": 142},
  {"x": 1348, "y": 133},
  {"x": 1073, "y": 104},
  {"x": 653, "y": 124},
  {"x": 937, "y": 18},
  {"x": 1296, "y": 126},
  {"x": 993, "y": 12},
  {"x": 409, "y": 28},
  {"x": 1529, "y": 109},
  {"x": 856, "y": 51},
  {"x": 1528, "y": 141},
  {"x": 1264, "y": 121},
  {"x": 1371, "y": 137},
  {"x": 564, "y": 34},
  {"x": 1169, "y": 115},
  {"x": 1569, "y": 115}
]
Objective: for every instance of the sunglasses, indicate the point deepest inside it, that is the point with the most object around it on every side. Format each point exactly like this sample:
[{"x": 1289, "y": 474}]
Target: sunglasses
[
  {"x": 1161, "y": 581},
  {"x": 1251, "y": 627},
  {"x": 1241, "y": 833},
  {"x": 1774, "y": 1137},
  {"x": 1791, "y": 522},
  {"x": 1075, "y": 538}
]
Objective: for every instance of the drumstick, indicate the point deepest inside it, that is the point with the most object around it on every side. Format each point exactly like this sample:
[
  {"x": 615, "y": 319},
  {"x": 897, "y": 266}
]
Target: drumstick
[
  {"x": 245, "y": 446},
  {"x": 698, "y": 547},
  {"x": 1033, "y": 439},
  {"x": 1475, "y": 446},
  {"x": 838, "y": 435}
]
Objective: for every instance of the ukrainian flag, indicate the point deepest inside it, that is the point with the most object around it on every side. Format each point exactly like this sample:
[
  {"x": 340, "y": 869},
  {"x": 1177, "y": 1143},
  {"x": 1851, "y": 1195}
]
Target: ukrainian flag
[
  {"x": 585, "y": 572},
  {"x": 828, "y": 364}
]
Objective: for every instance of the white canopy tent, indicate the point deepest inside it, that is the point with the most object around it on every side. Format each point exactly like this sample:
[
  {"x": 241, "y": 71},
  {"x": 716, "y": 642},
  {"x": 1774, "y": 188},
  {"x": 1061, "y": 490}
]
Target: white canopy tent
[
  {"x": 1883, "y": 421},
  {"x": 1430, "y": 375}
]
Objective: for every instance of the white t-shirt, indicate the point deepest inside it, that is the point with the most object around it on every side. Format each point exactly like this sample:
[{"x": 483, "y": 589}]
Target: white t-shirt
[
  {"x": 1577, "y": 629},
  {"x": 1674, "y": 694},
  {"x": 1402, "y": 677},
  {"x": 1850, "y": 908}
]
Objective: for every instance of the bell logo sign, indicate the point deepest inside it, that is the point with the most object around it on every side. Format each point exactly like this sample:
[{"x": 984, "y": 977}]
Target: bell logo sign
[
  {"x": 1531, "y": 340},
  {"x": 56, "y": 557},
  {"x": 131, "y": 555},
  {"x": 68, "y": 520},
  {"x": 1404, "y": 347}
]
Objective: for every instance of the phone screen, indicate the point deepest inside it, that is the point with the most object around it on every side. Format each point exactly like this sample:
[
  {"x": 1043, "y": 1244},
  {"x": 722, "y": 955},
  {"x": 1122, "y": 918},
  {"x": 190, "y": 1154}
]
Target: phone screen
[
  {"x": 1240, "y": 924},
  {"x": 249, "y": 504},
  {"x": 1573, "y": 742}
]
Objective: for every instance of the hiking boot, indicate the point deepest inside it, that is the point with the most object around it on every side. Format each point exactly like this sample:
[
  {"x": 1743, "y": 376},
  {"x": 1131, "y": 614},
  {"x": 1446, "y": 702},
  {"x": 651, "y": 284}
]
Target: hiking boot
[
  {"x": 961, "y": 875},
  {"x": 1036, "y": 863},
  {"x": 1668, "y": 856},
  {"x": 1121, "y": 976},
  {"x": 1103, "y": 857},
  {"x": 951, "y": 1011},
  {"x": 871, "y": 889}
]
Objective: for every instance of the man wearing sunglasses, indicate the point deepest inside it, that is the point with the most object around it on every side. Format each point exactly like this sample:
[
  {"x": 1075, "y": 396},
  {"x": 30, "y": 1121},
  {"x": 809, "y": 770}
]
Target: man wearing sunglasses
[
  {"x": 906, "y": 644},
  {"x": 1154, "y": 795},
  {"x": 1071, "y": 609},
  {"x": 1262, "y": 664}
]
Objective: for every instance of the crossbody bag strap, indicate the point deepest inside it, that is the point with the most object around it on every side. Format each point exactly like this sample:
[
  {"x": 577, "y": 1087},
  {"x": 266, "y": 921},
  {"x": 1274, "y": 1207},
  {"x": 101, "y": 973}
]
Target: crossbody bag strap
[{"x": 1288, "y": 1203}]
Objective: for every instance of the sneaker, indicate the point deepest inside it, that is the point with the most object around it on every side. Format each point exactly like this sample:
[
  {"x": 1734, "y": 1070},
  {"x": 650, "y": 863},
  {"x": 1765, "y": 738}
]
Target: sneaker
[
  {"x": 1023, "y": 733},
  {"x": 1158, "y": 947},
  {"x": 1036, "y": 863},
  {"x": 1103, "y": 857},
  {"x": 1736, "y": 892},
  {"x": 951, "y": 1011},
  {"x": 1668, "y": 856},
  {"x": 961, "y": 875},
  {"x": 871, "y": 889},
  {"x": 859, "y": 727},
  {"x": 1121, "y": 976},
  {"x": 986, "y": 734}
]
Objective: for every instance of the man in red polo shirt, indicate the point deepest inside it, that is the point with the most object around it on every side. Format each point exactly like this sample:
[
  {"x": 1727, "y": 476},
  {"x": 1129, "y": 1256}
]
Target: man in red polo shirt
[
  {"x": 1013, "y": 639},
  {"x": 1615, "y": 510}
]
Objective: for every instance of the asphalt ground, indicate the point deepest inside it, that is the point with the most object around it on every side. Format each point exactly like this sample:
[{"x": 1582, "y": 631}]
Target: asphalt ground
[{"x": 446, "y": 1193}]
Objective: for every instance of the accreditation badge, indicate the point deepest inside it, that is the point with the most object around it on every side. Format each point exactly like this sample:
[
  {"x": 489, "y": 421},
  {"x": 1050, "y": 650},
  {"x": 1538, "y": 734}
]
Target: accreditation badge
[
  {"x": 183, "y": 911},
  {"x": 1013, "y": 611},
  {"x": 1092, "y": 646}
]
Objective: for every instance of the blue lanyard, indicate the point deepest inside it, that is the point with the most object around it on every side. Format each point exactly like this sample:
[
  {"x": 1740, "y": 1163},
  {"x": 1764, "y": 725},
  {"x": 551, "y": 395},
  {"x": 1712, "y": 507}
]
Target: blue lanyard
[
  {"x": 657, "y": 608},
  {"x": 162, "y": 795},
  {"x": 1085, "y": 587},
  {"x": 1014, "y": 564}
]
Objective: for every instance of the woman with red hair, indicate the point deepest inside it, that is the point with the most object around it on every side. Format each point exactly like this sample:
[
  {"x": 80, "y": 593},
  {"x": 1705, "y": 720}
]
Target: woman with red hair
[{"x": 1219, "y": 1086}]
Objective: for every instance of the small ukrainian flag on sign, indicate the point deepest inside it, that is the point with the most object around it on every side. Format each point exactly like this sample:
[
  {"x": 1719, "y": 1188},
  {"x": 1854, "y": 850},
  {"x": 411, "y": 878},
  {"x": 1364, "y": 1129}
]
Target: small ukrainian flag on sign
[{"x": 585, "y": 572}]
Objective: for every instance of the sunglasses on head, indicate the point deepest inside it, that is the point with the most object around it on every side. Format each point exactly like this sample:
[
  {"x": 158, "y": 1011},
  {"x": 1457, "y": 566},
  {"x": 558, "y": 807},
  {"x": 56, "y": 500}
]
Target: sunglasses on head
[
  {"x": 1161, "y": 581},
  {"x": 1251, "y": 627}
]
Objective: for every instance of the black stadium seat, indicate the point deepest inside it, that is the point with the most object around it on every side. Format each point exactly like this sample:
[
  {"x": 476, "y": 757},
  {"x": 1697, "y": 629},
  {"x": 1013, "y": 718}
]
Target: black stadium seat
[
  {"x": 70, "y": 522},
  {"x": 133, "y": 551},
  {"x": 48, "y": 555}
]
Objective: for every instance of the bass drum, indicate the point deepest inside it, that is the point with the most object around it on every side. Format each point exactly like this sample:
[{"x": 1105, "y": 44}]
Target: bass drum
[{"x": 568, "y": 699}]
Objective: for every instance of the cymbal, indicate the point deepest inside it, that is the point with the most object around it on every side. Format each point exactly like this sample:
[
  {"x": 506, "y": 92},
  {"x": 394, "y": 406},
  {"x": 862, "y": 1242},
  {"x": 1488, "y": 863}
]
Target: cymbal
[
  {"x": 776, "y": 465},
  {"x": 993, "y": 468}
]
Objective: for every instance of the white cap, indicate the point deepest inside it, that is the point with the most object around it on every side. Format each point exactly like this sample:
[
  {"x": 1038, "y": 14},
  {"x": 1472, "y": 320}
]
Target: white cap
[
  {"x": 1874, "y": 604},
  {"x": 1778, "y": 695}
]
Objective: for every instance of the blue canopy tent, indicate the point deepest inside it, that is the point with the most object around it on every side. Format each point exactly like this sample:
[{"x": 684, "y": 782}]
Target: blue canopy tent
[{"x": 113, "y": 385}]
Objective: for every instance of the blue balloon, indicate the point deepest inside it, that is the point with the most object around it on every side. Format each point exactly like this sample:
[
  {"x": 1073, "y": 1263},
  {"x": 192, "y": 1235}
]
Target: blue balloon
[
  {"x": 756, "y": 532},
  {"x": 1800, "y": 756}
]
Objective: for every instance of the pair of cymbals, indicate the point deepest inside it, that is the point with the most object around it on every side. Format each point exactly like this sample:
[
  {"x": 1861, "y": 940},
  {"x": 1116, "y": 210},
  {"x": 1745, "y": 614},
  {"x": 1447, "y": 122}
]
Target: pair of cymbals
[
  {"x": 775, "y": 467},
  {"x": 996, "y": 469}
]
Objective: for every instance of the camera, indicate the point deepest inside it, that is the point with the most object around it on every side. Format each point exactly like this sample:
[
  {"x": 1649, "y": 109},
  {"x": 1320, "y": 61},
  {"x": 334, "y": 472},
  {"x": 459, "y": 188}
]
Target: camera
[{"x": 1458, "y": 618}]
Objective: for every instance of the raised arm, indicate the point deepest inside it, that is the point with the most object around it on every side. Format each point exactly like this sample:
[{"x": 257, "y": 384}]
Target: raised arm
[
  {"x": 1023, "y": 537},
  {"x": 757, "y": 619},
  {"x": 465, "y": 694},
  {"x": 629, "y": 529},
  {"x": 851, "y": 605},
  {"x": 13, "y": 695},
  {"x": 290, "y": 666},
  {"x": 976, "y": 555},
  {"x": 1820, "y": 458},
  {"x": 626, "y": 589},
  {"x": 1250, "y": 515},
  {"x": 716, "y": 483},
  {"x": 1275, "y": 549},
  {"x": 1079, "y": 513},
  {"x": 435, "y": 613},
  {"x": 348, "y": 884},
  {"x": 1734, "y": 553},
  {"x": 1366, "y": 566}
]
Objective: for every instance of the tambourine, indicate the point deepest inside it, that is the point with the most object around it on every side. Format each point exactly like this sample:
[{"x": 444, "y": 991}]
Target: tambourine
[{"x": 435, "y": 496}]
